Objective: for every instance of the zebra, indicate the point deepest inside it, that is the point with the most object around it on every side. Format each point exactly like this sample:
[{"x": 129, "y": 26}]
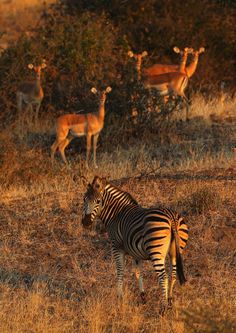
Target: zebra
[{"x": 143, "y": 233}]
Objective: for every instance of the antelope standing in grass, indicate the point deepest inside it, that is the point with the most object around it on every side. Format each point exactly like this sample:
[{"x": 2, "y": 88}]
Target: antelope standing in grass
[
  {"x": 189, "y": 70},
  {"x": 172, "y": 79},
  {"x": 31, "y": 92},
  {"x": 157, "y": 69},
  {"x": 69, "y": 126},
  {"x": 167, "y": 83},
  {"x": 139, "y": 58}
]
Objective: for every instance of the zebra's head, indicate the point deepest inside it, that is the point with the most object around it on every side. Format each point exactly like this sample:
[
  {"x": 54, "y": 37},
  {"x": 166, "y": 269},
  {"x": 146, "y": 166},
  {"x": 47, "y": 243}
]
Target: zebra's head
[{"x": 93, "y": 201}]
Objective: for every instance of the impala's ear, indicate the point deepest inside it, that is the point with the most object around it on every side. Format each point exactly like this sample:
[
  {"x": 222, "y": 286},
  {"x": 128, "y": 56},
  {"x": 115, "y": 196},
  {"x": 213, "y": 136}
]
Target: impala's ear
[
  {"x": 201, "y": 50},
  {"x": 144, "y": 54},
  {"x": 176, "y": 49},
  {"x": 130, "y": 54},
  {"x": 108, "y": 89},
  {"x": 43, "y": 65},
  {"x": 94, "y": 90},
  {"x": 30, "y": 66}
]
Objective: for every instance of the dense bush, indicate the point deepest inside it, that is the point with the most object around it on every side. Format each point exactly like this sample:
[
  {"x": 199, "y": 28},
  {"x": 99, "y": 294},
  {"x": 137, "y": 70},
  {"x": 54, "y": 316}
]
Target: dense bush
[
  {"x": 85, "y": 44},
  {"x": 156, "y": 26}
]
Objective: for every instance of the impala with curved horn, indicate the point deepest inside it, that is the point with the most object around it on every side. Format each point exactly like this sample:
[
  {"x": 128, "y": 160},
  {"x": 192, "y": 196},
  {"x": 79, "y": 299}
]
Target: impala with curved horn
[
  {"x": 31, "y": 93},
  {"x": 69, "y": 126}
]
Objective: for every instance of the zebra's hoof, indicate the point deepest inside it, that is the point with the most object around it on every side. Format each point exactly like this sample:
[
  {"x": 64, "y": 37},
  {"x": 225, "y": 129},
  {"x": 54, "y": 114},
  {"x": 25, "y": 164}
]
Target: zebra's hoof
[
  {"x": 143, "y": 297},
  {"x": 170, "y": 302},
  {"x": 162, "y": 310}
]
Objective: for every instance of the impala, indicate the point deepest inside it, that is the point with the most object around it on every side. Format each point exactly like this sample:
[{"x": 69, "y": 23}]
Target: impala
[
  {"x": 166, "y": 84},
  {"x": 139, "y": 58},
  {"x": 175, "y": 81},
  {"x": 90, "y": 125},
  {"x": 157, "y": 69},
  {"x": 31, "y": 93},
  {"x": 191, "y": 68}
]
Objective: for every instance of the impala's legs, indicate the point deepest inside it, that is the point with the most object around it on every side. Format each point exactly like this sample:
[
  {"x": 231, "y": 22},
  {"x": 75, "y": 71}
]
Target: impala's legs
[
  {"x": 60, "y": 143},
  {"x": 95, "y": 140},
  {"x": 19, "y": 101},
  {"x": 29, "y": 111},
  {"x": 37, "y": 112},
  {"x": 187, "y": 106},
  {"x": 54, "y": 147},
  {"x": 88, "y": 138}
]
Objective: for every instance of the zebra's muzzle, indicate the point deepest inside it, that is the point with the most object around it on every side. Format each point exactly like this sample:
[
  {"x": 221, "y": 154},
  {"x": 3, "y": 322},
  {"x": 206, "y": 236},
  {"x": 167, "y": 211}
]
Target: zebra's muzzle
[{"x": 86, "y": 221}]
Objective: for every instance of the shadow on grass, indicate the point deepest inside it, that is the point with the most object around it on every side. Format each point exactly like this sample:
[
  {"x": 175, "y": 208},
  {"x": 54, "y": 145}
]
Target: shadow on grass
[{"x": 28, "y": 281}]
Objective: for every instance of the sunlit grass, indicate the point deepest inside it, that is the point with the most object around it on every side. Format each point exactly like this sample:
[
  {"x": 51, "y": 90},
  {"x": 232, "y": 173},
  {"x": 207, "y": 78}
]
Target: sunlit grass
[{"x": 56, "y": 277}]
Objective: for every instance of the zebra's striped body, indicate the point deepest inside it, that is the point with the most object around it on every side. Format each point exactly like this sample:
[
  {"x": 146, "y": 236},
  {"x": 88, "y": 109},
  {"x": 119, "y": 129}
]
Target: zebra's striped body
[{"x": 143, "y": 233}]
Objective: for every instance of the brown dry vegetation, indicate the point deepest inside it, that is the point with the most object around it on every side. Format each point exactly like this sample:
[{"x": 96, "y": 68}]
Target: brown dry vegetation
[
  {"x": 56, "y": 277},
  {"x": 19, "y": 16}
]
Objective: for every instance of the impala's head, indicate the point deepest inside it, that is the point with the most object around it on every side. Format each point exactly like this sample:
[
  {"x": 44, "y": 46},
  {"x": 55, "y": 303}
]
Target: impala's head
[
  {"x": 197, "y": 52},
  {"x": 103, "y": 93},
  {"x": 93, "y": 201},
  {"x": 138, "y": 57},
  {"x": 184, "y": 53},
  {"x": 37, "y": 69}
]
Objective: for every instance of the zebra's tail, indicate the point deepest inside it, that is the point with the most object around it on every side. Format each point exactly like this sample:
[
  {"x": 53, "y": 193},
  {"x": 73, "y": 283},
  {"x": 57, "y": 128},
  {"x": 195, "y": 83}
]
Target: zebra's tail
[
  {"x": 179, "y": 260},
  {"x": 180, "y": 267}
]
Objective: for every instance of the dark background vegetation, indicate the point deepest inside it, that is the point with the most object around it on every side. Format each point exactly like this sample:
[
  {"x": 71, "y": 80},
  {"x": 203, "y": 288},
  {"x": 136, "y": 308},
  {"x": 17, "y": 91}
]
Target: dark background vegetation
[{"x": 88, "y": 41}]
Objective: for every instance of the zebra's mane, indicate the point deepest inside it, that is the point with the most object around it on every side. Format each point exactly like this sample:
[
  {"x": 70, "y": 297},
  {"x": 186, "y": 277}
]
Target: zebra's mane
[{"x": 127, "y": 195}]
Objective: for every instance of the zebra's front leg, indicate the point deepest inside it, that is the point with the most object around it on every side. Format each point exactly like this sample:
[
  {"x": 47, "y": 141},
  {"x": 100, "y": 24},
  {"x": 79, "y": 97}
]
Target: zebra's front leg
[
  {"x": 119, "y": 260},
  {"x": 138, "y": 265}
]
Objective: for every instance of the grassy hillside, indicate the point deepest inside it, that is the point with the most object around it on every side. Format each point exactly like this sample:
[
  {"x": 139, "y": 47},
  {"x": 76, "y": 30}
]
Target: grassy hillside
[
  {"x": 57, "y": 277},
  {"x": 19, "y": 16}
]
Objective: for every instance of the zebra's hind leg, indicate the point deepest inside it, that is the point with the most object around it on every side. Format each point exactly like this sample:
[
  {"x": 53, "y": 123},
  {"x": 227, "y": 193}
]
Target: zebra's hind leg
[
  {"x": 119, "y": 260},
  {"x": 138, "y": 265},
  {"x": 159, "y": 265},
  {"x": 172, "y": 253}
]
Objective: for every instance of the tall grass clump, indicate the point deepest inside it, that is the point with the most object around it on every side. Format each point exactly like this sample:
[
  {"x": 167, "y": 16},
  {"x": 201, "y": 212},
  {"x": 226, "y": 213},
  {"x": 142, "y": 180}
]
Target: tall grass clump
[
  {"x": 205, "y": 320},
  {"x": 202, "y": 200}
]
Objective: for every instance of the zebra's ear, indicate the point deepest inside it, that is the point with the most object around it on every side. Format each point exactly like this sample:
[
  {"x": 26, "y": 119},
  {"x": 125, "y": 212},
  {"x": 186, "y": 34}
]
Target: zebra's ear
[
  {"x": 104, "y": 182},
  {"x": 98, "y": 184}
]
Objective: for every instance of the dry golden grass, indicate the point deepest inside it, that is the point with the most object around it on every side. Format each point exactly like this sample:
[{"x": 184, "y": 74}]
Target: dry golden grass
[
  {"x": 19, "y": 16},
  {"x": 57, "y": 277}
]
